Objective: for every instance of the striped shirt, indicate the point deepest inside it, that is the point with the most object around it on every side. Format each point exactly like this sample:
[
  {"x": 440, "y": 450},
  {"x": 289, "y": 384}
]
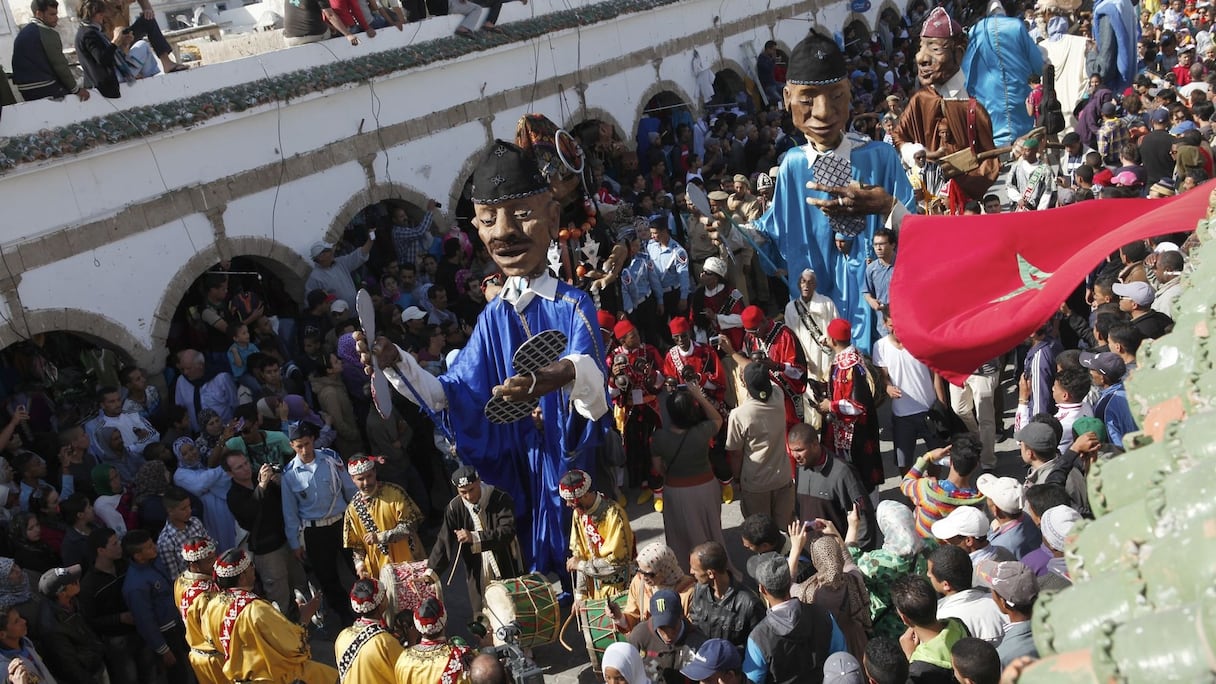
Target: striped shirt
[{"x": 934, "y": 499}]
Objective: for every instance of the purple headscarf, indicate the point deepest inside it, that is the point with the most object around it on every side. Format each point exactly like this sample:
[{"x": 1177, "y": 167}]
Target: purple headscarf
[
  {"x": 298, "y": 409},
  {"x": 352, "y": 366}
]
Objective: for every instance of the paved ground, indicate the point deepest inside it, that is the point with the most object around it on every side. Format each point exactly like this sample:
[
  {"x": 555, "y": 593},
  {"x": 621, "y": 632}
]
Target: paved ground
[{"x": 568, "y": 667}]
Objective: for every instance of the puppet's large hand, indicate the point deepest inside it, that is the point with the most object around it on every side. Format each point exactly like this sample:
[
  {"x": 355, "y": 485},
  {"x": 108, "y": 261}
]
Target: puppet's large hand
[
  {"x": 533, "y": 385},
  {"x": 852, "y": 200}
]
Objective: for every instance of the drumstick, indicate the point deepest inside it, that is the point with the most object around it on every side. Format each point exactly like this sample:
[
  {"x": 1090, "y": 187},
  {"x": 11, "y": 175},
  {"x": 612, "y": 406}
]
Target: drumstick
[
  {"x": 454, "y": 562},
  {"x": 561, "y": 634}
]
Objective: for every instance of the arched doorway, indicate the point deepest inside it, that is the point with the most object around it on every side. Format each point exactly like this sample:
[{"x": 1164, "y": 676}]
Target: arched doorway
[
  {"x": 664, "y": 118},
  {"x": 730, "y": 90},
  {"x": 856, "y": 37}
]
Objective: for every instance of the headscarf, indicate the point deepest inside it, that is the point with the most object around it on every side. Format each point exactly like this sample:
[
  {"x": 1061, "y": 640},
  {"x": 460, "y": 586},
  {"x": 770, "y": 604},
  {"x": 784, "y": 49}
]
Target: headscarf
[
  {"x": 101, "y": 478},
  {"x": 898, "y": 529},
  {"x": 102, "y": 437},
  {"x": 828, "y": 558},
  {"x": 1188, "y": 158},
  {"x": 180, "y": 444},
  {"x": 12, "y": 594},
  {"x": 151, "y": 480},
  {"x": 625, "y": 659},
  {"x": 1057, "y": 28},
  {"x": 206, "y": 441},
  {"x": 352, "y": 365},
  {"x": 658, "y": 558},
  {"x": 298, "y": 409}
]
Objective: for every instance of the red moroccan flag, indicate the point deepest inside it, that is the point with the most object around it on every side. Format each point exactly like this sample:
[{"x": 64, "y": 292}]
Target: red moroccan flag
[{"x": 969, "y": 288}]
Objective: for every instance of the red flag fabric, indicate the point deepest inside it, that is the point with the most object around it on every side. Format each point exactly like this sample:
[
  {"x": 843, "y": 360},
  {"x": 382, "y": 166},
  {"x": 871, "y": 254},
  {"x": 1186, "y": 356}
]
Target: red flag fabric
[{"x": 969, "y": 288}]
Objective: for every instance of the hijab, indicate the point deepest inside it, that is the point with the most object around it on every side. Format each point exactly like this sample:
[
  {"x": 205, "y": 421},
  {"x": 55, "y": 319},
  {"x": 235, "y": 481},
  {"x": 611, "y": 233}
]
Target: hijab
[
  {"x": 625, "y": 659},
  {"x": 151, "y": 480},
  {"x": 828, "y": 557},
  {"x": 101, "y": 479},
  {"x": 179, "y": 444},
  {"x": 661, "y": 560},
  {"x": 13, "y": 593},
  {"x": 206, "y": 441},
  {"x": 298, "y": 409},
  {"x": 352, "y": 365},
  {"x": 898, "y": 528},
  {"x": 102, "y": 437}
]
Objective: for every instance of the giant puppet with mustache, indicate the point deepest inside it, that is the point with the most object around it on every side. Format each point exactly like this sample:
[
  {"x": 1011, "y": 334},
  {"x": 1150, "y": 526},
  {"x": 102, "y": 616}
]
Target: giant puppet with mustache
[{"x": 517, "y": 218}]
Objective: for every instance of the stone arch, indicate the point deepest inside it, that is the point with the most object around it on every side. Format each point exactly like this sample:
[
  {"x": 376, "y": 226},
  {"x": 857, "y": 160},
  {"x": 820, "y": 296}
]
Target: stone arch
[
  {"x": 729, "y": 74},
  {"x": 856, "y": 33},
  {"x": 590, "y": 113},
  {"x": 377, "y": 193},
  {"x": 465, "y": 173},
  {"x": 655, "y": 89},
  {"x": 282, "y": 261},
  {"x": 89, "y": 325}
]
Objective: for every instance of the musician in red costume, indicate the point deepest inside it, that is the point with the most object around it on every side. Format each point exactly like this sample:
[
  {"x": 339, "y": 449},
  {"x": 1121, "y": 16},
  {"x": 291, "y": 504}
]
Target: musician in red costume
[
  {"x": 691, "y": 362},
  {"x": 775, "y": 346},
  {"x": 715, "y": 309},
  {"x": 634, "y": 389},
  {"x": 851, "y": 419}
]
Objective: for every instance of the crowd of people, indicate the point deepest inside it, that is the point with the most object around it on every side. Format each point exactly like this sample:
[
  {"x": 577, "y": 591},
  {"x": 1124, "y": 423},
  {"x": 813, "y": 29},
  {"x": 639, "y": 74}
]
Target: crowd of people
[{"x": 726, "y": 339}]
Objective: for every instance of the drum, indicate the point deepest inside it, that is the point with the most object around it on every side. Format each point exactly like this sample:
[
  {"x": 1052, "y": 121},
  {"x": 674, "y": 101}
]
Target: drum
[
  {"x": 599, "y": 627},
  {"x": 406, "y": 586},
  {"x": 527, "y": 600}
]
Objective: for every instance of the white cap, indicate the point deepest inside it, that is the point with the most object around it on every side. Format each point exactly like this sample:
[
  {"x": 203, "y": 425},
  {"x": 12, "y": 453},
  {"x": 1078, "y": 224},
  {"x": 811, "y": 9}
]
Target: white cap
[
  {"x": 1166, "y": 247},
  {"x": 412, "y": 313},
  {"x": 1005, "y": 492},
  {"x": 716, "y": 266},
  {"x": 317, "y": 248},
  {"x": 1056, "y": 523},
  {"x": 339, "y": 306},
  {"x": 964, "y": 521}
]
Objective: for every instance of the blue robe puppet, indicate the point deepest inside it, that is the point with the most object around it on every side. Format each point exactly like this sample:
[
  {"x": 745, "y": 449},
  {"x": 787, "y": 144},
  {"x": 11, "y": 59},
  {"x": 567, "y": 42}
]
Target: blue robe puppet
[
  {"x": 801, "y": 237},
  {"x": 998, "y": 62},
  {"x": 519, "y": 458}
]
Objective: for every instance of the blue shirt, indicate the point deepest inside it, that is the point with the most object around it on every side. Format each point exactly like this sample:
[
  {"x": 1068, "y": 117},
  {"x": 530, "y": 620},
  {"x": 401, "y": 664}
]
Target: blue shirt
[
  {"x": 314, "y": 491},
  {"x": 671, "y": 263},
  {"x": 878, "y": 286},
  {"x": 644, "y": 278},
  {"x": 1116, "y": 414},
  {"x": 149, "y": 596}
]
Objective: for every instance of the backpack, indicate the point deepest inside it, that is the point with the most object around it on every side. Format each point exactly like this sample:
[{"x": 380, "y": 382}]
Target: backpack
[
  {"x": 875, "y": 381},
  {"x": 1051, "y": 114}
]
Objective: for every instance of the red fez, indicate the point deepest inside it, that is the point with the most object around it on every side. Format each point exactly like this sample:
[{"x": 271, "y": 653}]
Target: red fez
[
  {"x": 606, "y": 320},
  {"x": 939, "y": 24},
  {"x": 679, "y": 326},
  {"x": 840, "y": 330},
  {"x": 620, "y": 330},
  {"x": 753, "y": 317}
]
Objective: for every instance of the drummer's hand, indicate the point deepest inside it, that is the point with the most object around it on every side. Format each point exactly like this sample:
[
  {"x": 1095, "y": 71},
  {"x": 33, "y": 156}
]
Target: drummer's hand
[
  {"x": 853, "y": 199},
  {"x": 521, "y": 387},
  {"x": 572, "y": 564},
  {"x": 464, "y": 537},
  {"x": 578, "y": 605},
  {"x": 370, "y": 539}
]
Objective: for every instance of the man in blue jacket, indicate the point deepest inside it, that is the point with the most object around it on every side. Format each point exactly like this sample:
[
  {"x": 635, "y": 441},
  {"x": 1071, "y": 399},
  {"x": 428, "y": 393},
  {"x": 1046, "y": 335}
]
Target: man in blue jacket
[{"x": 149, "y": 595}]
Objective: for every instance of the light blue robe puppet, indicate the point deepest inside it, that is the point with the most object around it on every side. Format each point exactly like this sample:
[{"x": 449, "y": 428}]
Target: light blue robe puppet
[
  {"x": 524, "y": 461},
  {"x": 1116, "y": 29},
  {"x": 801, "y": 236},
  {"x": 997, "y": 65}
]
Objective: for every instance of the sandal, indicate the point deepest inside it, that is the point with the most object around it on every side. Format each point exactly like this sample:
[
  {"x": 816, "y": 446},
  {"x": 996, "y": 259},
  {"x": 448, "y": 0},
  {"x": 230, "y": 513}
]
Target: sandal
[
  {"x": 465, "y": 33},
  {"x": 492, "y": 29},
  {"x": 178, "y": 67}
]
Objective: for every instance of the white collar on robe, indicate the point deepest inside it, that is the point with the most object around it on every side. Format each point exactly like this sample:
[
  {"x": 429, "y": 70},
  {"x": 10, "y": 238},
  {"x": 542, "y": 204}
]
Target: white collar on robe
[
  {"x": 710, "y": 292},
  {"x": 844, "y": 150},
  {"x": 955, "y": 88},
  {"x": 519, "y": 291}
]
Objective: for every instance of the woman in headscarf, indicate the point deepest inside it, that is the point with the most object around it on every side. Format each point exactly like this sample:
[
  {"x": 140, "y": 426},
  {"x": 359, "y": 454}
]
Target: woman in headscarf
[
  {"x": 842, "y": 593},
  {"x": 331, "y": 389},
  {"x": 115, "y": 453},
  {"x": 151, "y": 483},
  {"x": 210, "y": 483},
  {"x": 110, "y": 507},
  {"x": 902, "y": 553},
  {"x": 44, "y": 503},
  {"x": 299, "y": 409},
  {"x": 29, "y": 551},
  {"x": 657, "y": 569},
  {"x": 215, "y": 432},
  {"x": 623, "y": 665}
]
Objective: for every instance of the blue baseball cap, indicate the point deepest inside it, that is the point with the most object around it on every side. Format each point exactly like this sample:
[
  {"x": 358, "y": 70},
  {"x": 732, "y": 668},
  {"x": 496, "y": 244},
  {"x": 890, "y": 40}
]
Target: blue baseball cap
[
  {"x": 715, "y": 655},
  {"x": 665, "y": 609}
]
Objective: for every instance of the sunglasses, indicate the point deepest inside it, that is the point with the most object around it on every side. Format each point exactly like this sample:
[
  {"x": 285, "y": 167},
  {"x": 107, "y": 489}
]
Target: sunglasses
[{"x": 647, "y": 575}]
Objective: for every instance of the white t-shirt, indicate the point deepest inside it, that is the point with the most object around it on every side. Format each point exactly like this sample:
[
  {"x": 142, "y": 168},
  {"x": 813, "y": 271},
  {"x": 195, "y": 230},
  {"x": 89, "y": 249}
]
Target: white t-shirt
[{"x": 912, "y": 377}]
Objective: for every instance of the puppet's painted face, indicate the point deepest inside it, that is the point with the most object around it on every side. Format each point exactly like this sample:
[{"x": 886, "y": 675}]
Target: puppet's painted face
[
  {"x": 820, "y": 112},
  {"x": 937, "y": 60},
  {"x": 517, "y": 232}
]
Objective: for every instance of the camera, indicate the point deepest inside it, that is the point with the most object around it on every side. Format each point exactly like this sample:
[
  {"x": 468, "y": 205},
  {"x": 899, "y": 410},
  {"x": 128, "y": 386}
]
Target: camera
[
  {"x": 521, "y": 668},
  {"x": 276, "y": 467},
  {"x": 715, "y": 340}
]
